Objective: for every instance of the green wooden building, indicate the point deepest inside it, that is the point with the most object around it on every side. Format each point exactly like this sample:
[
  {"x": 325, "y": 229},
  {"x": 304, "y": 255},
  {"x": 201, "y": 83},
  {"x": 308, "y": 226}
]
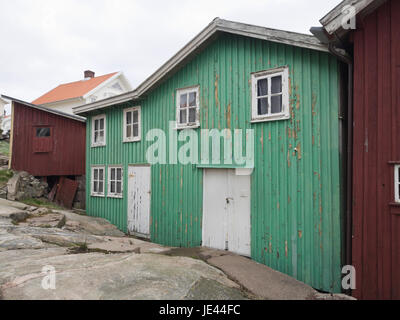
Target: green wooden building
[{"x": 268, "y": 184}]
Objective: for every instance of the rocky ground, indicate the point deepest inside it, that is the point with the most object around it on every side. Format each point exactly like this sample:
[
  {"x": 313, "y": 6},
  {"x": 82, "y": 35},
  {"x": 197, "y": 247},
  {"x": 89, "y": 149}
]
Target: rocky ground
[{"x": 92, "y": 259}]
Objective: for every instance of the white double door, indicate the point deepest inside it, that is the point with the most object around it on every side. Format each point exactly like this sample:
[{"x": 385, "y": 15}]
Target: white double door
[
  {"x": 139, "y": 196},
  {"x": 226, "y": 211}
]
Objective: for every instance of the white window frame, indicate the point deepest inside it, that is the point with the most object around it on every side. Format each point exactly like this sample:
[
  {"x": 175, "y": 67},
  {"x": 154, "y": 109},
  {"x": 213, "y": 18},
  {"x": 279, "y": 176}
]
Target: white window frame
[
  {"x": 97, "y": 194},
  {"x": 396, "y": 183},
  {"x": 268, "y": 74},
  {"x": 139, "y": 137},
  {"x": 99, "y": 144},
  {"x": 179, "y": 92},
  {"x": 115, "y": 194}
]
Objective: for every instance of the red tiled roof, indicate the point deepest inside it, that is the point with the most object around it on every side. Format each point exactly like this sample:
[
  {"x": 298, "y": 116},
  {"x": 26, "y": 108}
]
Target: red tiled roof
[{"x": 72, "y": 90}]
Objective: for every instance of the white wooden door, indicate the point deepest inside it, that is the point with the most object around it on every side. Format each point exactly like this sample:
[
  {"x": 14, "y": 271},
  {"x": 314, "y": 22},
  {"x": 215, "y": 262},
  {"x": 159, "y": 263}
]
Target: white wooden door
[
  {"x": 139, "y": 195},
  {"x": 226, "y": 211}
]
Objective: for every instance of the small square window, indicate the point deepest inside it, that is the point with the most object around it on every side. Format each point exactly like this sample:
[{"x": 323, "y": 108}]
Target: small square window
[
  {"x": 43, "y": 132},
  {"x": 99, "y": 131},
  {"x": 98, "y": 181},
  {"x": 187, "y": 109},
  {"x": 270, "y": 95},
  {"x": 115, "y": 182},
  {"x": 132, "y": 126}
]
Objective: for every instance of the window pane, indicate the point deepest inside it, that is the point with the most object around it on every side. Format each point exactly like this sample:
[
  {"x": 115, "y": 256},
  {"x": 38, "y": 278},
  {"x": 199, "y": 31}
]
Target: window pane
[
  {"x": 262, "y": 87},
  {"x": 276, "y": 104},
  {"x": 135, "y": 116},
  {"x": 262, "y": 106},
  {"x": 192, "y": 115},
  {"x": 183, "y": 116},
  {"x": 95, "y": 186},
  {"x": 42, "y": 132},
  {"x": 112, "y": 187},
  {"x": 119, "y": 187},
  {"x": 129, "y": 131},
  {"x": 276, "y": 84},
  {"x": 112, "y": 174},
  {"x": 101, "y": 187},
  {"x": 101, "y": 172},
  {"x": 95, "y": 174},
  {"x": 101, "y": 136},
  {"x": 192, "y": 99},
  {"x": 136, "y": 130},
  {"x": 101, "y": 124},
  {"x": 96, "y": 124},
  {"x": 119, "y": 174},
  {"x": 128, "y": 117},
  {"x": 183, "y": 100},
  {"x": 96, "y": 136}
]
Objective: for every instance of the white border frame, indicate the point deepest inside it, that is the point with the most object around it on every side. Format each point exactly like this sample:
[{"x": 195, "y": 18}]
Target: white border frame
[
  {"x": 179, "y": 92},
  {"x": 139, "y": 137},
  {"x": 285, "y": 114},
  {"x": 99, "y": 144},
  {"x": 115, "y": 195},
  {"x": 396, "y": 183},
  {"x": 97, "y": 194}
]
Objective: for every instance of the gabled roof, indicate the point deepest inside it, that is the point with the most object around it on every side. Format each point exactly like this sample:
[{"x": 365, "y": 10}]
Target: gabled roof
[
  {"x": 72, "y": 90},
  {"x": 53, "y": 111},
  {"x": 216, "y": 26},
  {"x": 332, "y": 21}
]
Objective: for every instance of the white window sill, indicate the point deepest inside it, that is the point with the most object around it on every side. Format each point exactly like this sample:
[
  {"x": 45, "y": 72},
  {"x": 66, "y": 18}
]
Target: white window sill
[
  {"x": 192, "y": 126},
  {"x": 98, "y": 145},
  {"x": 116, "y": 196},
  {"x": 97, "y": 195},
  {"x": 270, "y": 118},
  {"x": 131, "y": 140}
]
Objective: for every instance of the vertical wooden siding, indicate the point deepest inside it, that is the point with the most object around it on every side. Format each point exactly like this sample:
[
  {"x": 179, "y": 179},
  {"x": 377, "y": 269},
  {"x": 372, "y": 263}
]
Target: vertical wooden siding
[
  {"x": 295, "y": 196},
  {"x": 376, "y": 223},
  {"x": 67, "y": 155}
]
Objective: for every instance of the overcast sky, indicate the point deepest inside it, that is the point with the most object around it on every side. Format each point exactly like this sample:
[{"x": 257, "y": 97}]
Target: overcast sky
[{"x": 48, "y": 42}]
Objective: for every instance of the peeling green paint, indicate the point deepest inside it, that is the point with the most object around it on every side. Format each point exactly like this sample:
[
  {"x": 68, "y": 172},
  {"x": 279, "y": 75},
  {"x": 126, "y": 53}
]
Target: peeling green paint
[{"x": 295, "y": 186}]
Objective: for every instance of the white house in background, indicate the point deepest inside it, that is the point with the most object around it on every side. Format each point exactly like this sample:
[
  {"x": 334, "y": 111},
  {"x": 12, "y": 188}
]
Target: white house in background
[
  {"x": 3, "y": 103},
  {"x": 90, "y": 89},
  {"x": 5, "y": 120}
]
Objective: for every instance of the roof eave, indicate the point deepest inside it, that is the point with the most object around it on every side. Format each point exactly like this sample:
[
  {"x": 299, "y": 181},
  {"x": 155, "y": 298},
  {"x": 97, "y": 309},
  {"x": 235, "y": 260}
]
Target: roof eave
[
  {"x": 56, "y": 112},
  {"x": 217, "y": 25},
  {"x": 332, "y": 21}
]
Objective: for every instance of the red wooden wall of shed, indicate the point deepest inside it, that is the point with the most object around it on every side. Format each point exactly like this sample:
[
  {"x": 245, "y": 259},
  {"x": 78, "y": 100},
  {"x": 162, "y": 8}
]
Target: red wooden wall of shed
[
  {"x": 68, "y": 150},
  {"x": 376, "y": 220}
]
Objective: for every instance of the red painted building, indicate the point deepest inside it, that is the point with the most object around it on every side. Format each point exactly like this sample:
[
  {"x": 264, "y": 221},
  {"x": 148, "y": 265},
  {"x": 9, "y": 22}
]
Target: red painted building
[
  {"x": 375, "y": 197},
  {"x": 46, "y": 142}
]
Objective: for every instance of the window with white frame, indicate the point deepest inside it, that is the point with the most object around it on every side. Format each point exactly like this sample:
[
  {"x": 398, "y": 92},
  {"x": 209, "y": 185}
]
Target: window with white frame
[
  {"x": 132, "y": 127},
  {"x": 115, "y": 181},
  {"x": 397, "y": 183},
  {"x": 187, "y": 108},
  {"x": 99, "y": 130},
  {"x": 98, "y": 175},
  {"x": 270, "y": 95}
]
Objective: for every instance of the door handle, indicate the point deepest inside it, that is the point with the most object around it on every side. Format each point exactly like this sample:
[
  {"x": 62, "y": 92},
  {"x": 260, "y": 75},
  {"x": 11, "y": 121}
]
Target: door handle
[{"x": 227, "y": 200}]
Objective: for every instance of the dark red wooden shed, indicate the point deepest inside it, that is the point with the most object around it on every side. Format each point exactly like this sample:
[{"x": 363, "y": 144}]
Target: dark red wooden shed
[
  {"x": 376, "y": 211},
  {"x": 46, "y": 142},
  {"x": 375, "y": 128}
]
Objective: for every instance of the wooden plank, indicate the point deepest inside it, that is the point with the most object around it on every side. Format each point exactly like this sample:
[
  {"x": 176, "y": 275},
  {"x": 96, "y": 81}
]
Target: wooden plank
[{"x": 66, "y": 192}]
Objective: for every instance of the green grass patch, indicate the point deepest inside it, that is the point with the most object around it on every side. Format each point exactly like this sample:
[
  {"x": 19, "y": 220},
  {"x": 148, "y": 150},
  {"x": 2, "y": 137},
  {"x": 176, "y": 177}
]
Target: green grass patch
[
  {"x": 5, "y": 148},
  {"x": 42, "y": 202},
  {"x": 5, "y": 175}
]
